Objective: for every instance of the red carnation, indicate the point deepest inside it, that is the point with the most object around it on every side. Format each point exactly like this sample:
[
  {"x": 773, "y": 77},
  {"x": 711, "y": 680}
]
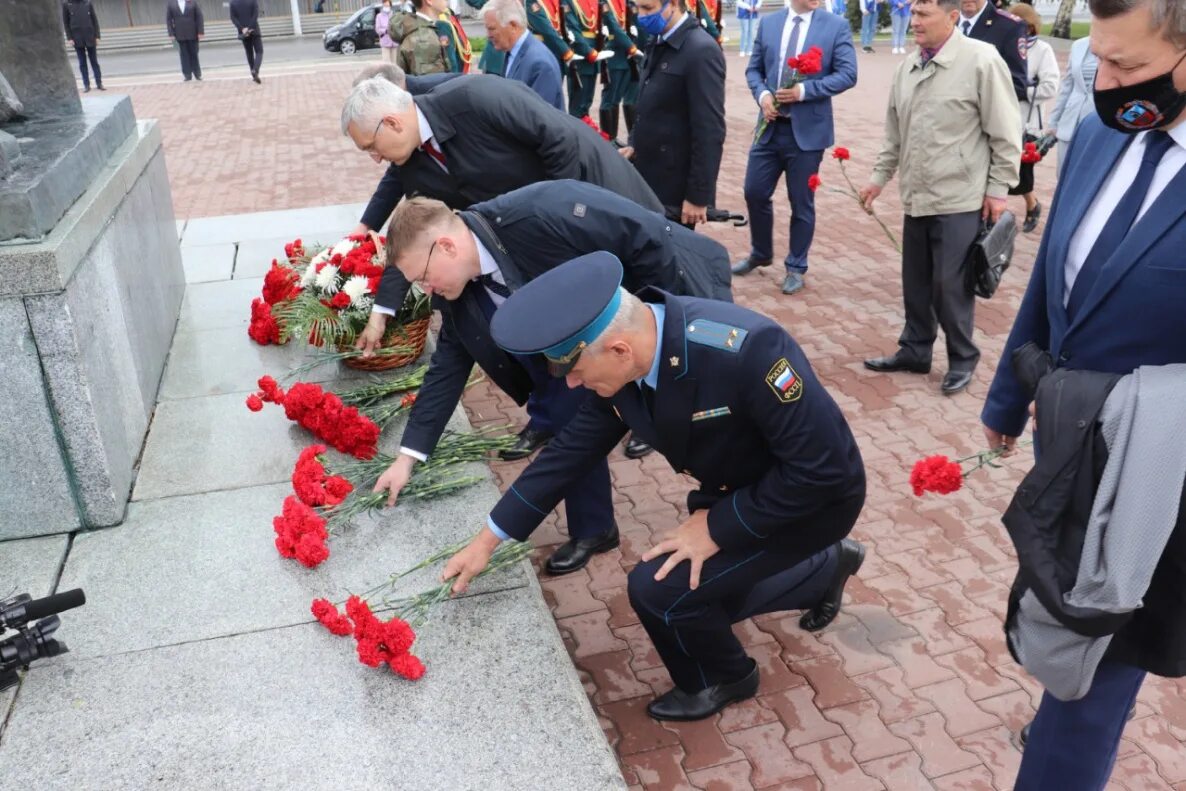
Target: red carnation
[
  {"x": 937, "y": 474},
  {"x": 813, "y": 182},
  {"x": 255, "y": 403},
  {"x": 263, "y": 328},
  {"x": 407, "y": 666},
  {"x": 280, "y": 283},
  {"x": 811, "y": 61},
  {"x": 792, "y": 62},
  {"x": 330, "y": 618},
  {"x": 340, "y": 300},
  {"x": 1030, "y": 155},
  {"x": 841, "y": 153}
]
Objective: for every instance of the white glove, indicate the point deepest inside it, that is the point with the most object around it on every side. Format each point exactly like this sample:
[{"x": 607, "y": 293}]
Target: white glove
[{"x": 605, "y": 54}]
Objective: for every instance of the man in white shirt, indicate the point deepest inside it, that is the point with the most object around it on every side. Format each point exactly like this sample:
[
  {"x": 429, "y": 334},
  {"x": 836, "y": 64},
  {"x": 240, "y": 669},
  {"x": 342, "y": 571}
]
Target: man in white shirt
[{"x": 1107, "y": 294}]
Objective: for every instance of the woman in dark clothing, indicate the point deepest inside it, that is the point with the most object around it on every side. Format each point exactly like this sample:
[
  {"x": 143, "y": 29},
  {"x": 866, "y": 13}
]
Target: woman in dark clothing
[{"x": 82, "y": 28}]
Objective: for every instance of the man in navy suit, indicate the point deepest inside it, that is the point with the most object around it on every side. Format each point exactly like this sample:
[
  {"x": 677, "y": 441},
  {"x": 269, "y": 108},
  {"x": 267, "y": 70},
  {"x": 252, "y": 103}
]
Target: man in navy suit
[
  {"x": 799, "y": 127},
  {"x": 1107, "y": 294},
  {"x": 528, "y": 60}
]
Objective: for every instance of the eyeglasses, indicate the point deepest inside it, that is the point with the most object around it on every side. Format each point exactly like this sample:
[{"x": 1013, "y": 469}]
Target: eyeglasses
[
  {"x": 370, "y": 147},
  {"x": 427, "y": 261}
]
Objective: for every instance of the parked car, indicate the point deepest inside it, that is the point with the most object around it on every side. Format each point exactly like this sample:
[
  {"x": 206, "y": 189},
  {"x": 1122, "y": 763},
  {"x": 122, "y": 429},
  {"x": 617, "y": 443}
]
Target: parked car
[{"x": 357, "y": 32}]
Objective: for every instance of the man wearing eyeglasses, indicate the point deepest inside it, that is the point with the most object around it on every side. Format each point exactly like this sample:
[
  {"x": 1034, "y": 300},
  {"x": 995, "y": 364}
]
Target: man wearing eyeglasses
[{"x": 471, "y": 261}]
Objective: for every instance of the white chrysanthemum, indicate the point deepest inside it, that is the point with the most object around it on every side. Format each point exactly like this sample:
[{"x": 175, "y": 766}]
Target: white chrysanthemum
[
  {"x": 327, "y": 279},
  {"x": 322, "y": 256},
  {"x": 308, "y": 276},
  {"x": 356, "y": 289},
  {"x": 342, "y": 248}
]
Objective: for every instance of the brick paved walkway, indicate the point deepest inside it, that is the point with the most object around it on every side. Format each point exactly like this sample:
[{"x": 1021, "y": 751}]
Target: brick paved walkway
[{"x": 912, "y": 687}]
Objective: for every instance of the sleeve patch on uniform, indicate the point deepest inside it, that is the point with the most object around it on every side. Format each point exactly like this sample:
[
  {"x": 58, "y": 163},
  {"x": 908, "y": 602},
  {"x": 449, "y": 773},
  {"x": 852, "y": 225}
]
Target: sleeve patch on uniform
[
  {"x": 784, "y": 382},
  {"x": 719, "y": 336}
]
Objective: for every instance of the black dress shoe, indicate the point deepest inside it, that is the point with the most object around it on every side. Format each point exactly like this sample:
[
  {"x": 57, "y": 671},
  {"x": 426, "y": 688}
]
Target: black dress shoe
[
  {"x": 955, "y": 381},
  {"x": 255, "y": 76},
  {"x": 86, "y": 89},
  {"x": 528, "y": 443},
  {"x": 896, "y": 362},
  {"x": 1031, "y": 218},
  {"x": 852, "y": 555},
  {"x": 100, "y": 86},
  {"x": 683, "y": 706},
  {"x": 636, "y": 448},
  {"x": 793, "y": 283},
  {"x": 574, "y": 555},
  {"x": 747, "y": 265}
]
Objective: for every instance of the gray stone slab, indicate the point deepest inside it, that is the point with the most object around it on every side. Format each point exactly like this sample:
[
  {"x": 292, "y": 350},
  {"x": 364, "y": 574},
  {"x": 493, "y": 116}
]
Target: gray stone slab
[
  {"x": 326, "y": 224},
  {"x": 207, "y": 263},
  {"x": 255, "y": 256},
  {"x": 30, "y": 565},
  {"x": 499, "y": 708},
  {"x": 202, "y": 558},
  {"x": 209, "y": 306},
  {"x": 36, "y": 496}
]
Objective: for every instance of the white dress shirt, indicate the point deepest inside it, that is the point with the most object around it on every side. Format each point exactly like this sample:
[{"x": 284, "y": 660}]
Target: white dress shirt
[
  {"x": 488, "y": 266},
  {"x": 786, "y": 42},
  {"x": 426, "y": 138},
  {"x": 181, "y": 5},
  {"x": 972, "y": 20},
  {"x": 1113, "y": 189}
]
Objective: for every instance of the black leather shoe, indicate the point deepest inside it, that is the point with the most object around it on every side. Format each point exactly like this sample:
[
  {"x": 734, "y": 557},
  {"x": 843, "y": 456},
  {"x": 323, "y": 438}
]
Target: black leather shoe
[
  {"x": 100, "y": 87},
  {"x": 1031, "y": 218},
  {"x": 747, "y": 265},
  {"x": 636, "y": 448},
  {"x": 955, "y": 381},
  {"x": 574, "y": 555},
  {"x": 896, "y": 362},
  {"x": 86, "y": 89},
  {"x": 852, "y": 555},
  {"x": 793, "y": 283},
  {"x": 528, "y": 443},
  {"x": 683, "y": 706},
  {"x": 255, "y": 76}
]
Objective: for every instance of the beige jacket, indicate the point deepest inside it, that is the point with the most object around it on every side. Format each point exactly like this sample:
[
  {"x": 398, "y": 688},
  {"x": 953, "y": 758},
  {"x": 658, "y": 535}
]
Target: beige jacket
[{"x": 953, "y": 130}]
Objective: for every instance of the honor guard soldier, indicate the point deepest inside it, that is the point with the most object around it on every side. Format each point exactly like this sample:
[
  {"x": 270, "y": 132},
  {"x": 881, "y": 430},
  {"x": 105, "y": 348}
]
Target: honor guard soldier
[
  {"x": 545, "y": 19},
  {"x": 641, "y": 39},
  {"x": 709, "y": 14},
  {"x": 454, "y": 42},
  {"x": 728, "y": 397},
  {"x": 983, "y": 21},
  {"x": 493, "y": 61},
  {"x": 618, "y": 69},
  {"x": 582, "y": 25}
]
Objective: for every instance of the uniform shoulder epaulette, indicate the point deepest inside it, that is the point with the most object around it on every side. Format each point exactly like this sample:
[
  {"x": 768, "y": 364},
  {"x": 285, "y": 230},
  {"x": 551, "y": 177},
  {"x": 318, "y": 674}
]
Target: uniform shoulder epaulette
[{"x": 717, "y": 335}]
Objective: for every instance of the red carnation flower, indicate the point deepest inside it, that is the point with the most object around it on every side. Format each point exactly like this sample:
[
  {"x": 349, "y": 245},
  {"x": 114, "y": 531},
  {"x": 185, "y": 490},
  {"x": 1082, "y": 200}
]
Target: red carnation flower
[
  {"x": 340, "y": 300},
  {"x": 937, "y": 474},
  {"x": 841, "y": 153},
  {"x": 330, "y": 618},
  {"x": 813, "y": 182},
  {"x": 255, "y": 403},
  {"x": 280, "y": 284},
  {"x": 1030, "y": 155},
  {"x": 811, "y": 61},
  {"x": 407, "y": 666},
  {"x": 263, "y": 328}
]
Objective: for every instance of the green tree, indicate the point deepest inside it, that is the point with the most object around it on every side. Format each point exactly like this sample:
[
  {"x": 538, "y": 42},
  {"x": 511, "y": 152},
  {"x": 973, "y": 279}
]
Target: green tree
[{"x": 1062, "y": 20}]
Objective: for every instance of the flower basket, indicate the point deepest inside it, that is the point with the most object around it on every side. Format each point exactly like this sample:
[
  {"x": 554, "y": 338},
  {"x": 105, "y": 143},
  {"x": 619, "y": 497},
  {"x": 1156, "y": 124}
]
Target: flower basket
[{"x": 413, "y": 336}]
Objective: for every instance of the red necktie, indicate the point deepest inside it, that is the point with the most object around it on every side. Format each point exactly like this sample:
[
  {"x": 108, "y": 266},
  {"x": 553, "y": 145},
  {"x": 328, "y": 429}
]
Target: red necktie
[{"x": 436, "y": 154}]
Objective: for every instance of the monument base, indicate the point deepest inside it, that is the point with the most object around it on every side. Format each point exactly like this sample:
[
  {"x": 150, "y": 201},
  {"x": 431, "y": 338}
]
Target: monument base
[{"x": 86, "y": 320}]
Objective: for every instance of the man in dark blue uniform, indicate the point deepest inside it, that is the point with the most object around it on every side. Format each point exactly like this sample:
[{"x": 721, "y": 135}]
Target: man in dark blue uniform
[
  {"x": 983, "y": 21},
  {"x": 471, "y": 261},
  {"x": 727, "y": 396}
]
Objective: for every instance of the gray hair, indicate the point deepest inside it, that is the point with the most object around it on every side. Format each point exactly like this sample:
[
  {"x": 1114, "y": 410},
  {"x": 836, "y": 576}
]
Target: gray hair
[
  {"x": 1169, "y": 16},
  {"x": 626, "y": 319},
  {"x": 506, "y": 11},
  {"x": 945, "y": 5},
  {"x": 388, "y": 71},
  {"x": 371, "y": 101}
]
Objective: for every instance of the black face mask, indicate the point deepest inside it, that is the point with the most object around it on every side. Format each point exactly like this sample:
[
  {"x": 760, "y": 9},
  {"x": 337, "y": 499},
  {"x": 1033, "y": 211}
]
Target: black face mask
[{"x": 1151, "y": 104}]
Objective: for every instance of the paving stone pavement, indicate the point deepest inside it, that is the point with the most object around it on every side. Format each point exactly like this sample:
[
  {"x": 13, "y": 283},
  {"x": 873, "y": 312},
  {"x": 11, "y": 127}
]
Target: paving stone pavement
[{"x": 912, "y": 687}]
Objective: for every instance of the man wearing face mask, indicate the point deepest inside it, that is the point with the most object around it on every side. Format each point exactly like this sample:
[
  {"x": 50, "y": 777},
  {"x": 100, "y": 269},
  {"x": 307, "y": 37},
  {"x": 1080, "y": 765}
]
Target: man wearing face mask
[
  {"x": 679, "y": 129},
  {"x": 1107, "y": 294}
]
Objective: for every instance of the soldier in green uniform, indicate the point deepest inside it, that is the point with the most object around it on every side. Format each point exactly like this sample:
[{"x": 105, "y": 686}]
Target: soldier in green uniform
[
  {"x": 709, "y": 14},
  {"x": 545, "y": 18},
  {"x": 641, "y": 40},
  {"x": 582, "y": 23},
  {"x": 454, "y": 41},
  {"x": 421, "y": 48},
  {"x": 617, "y": 68}
]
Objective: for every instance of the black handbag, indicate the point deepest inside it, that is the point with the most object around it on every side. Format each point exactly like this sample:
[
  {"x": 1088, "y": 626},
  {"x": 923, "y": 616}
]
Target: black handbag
[{"x": 990, "y": 256}]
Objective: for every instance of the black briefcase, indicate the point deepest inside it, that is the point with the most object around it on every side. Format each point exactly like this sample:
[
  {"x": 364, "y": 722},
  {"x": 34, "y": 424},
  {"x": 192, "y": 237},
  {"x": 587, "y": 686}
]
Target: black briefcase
[{"x": 990, "y": 255}]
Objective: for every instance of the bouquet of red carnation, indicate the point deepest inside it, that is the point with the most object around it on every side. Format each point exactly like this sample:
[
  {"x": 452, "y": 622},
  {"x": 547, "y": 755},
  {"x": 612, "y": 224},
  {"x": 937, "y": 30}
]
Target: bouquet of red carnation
[
  {"x": 322, "y": 413},
  {"x": 589, "y": 122},
  {"x": 390, "y": 642},
  {"x": 941, "y": 475},
  {"x": 797, "y": 70}
]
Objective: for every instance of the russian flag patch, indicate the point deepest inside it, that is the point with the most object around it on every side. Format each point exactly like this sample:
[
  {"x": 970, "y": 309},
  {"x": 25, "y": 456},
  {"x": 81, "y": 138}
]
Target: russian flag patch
[{"x": 784, "y": 382}]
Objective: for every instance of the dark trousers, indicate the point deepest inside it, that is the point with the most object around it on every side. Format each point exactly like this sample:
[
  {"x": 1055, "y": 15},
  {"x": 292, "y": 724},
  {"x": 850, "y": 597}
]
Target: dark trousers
[
  {"x": 692, "y": 629},
  {"x": 933, "y": 253},
  {"x": 769, "y": 159},
  {"x": 580, "y": 91},
  {"x": 614, "y": 90},
  {"x": 1073, "y": 744},
  {"x": 254, "y": 47},
  {"x": 84, "y": 53},
  {"x": 190, "y": 67}
]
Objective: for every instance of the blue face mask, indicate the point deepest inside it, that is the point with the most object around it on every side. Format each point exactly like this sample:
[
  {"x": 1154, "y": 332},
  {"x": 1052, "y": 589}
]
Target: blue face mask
[{"x": 654, "y": 23}]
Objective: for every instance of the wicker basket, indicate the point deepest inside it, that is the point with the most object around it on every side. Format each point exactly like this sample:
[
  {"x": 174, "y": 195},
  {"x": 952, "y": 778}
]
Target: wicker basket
[{"x": 414, "y": 334}]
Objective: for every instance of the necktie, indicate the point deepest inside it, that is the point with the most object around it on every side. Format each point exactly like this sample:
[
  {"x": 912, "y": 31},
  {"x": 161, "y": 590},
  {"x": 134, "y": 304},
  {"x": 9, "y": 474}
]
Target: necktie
[
  {"x": 439, "y": 156},
  {"x": 494, "y": 286},
  {"x": 792, "y": 47},
  {"x": 1120, "y": 222},
  {"x": 968, "y": 29}
]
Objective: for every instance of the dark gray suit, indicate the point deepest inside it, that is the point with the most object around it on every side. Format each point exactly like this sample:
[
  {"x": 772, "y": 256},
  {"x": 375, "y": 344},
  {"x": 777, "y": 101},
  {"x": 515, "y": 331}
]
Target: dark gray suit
[
  {"x": 245, "y": 16},
  {"x": 184, "y": 27}
]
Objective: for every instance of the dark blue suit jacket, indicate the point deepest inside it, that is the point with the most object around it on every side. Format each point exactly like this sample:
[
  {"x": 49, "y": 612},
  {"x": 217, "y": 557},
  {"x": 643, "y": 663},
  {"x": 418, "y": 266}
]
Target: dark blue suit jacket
[
  {"x": 1135, "y": 313},
  {"x": 765, "y": 458},
  {"x": 811, "y": 119},
  {"x": 536, "y": 66}
]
